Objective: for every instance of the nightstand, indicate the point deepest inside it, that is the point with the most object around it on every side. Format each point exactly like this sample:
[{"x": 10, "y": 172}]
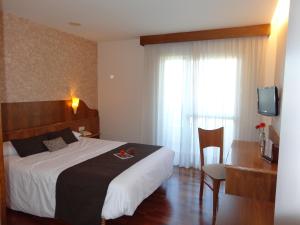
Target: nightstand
[{"x": 93, "y": 135}]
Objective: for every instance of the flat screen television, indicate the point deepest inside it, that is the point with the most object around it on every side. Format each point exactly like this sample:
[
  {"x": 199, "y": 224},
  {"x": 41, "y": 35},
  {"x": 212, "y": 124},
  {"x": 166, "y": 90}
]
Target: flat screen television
[{"x": 268, "y": 101}]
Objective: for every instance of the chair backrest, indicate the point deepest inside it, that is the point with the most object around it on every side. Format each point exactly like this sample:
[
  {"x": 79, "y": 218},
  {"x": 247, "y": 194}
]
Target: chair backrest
[{"x": 211, "y": 138}]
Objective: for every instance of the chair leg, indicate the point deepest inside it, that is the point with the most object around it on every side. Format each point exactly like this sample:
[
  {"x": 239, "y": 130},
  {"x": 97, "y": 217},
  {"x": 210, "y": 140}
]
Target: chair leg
[
  {"x": 216, "y": 186},
  {"x": 201, "y": 185}
]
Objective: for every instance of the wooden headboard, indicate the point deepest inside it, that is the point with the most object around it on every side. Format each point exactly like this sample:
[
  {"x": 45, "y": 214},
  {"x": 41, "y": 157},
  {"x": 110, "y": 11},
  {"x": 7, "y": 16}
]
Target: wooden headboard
[{"x": 26, "y": 119}]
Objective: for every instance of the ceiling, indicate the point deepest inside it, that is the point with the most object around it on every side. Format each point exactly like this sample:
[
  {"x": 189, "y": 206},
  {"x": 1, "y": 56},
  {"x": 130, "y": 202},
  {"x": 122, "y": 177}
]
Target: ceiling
[{"x": 124, "y": 19}]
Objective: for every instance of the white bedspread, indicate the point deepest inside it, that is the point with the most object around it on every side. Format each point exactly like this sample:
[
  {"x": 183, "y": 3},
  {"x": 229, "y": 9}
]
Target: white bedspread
[{"x": 31, "y": 181}]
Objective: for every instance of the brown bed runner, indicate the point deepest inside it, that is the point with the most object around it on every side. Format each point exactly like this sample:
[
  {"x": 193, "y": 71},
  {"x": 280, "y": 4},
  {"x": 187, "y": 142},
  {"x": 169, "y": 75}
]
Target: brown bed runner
[{"x": 81, "y": 189}]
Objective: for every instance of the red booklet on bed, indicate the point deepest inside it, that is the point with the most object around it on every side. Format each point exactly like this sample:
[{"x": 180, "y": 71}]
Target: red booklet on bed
[{"x": 123, "y": 155}]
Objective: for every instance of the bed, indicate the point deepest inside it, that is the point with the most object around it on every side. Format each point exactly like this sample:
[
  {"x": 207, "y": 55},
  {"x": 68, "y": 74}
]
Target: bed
[{"x": 31, "y": 180}]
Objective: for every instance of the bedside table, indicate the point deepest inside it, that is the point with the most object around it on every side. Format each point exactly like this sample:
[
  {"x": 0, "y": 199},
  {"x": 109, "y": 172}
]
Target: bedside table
[{"x": 93, "y": 135}]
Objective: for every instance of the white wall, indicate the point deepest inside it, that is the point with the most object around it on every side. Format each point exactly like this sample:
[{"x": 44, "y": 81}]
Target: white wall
[
  {"x": 275, "y": 59},
  {"x": 120, "y": 99},
  {"x": 281, "y": 34},
  {"x": 288, "y": 182},
  {"x": 269, "y": 73}
]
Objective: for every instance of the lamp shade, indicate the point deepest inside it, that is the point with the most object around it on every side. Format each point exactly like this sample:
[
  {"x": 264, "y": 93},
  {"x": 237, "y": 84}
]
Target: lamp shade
[{"x": 75, "y": 104}]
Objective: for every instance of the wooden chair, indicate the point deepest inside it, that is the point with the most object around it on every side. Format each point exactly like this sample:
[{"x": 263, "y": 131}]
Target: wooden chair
[{"x": 216, "y": 172}]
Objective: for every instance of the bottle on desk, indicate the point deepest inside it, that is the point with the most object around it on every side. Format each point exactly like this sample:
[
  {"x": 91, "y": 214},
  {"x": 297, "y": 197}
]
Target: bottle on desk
[{"x": 262, "y": 142}]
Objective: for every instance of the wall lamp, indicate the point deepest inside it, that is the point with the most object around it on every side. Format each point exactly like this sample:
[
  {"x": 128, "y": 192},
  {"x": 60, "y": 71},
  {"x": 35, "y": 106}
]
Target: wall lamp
[{"x": 75, "y": 104}]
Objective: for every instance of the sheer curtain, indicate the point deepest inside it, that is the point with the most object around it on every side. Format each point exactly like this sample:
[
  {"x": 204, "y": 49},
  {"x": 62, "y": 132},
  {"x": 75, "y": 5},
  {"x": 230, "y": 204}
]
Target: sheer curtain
[{"x": 205, "y": 84}]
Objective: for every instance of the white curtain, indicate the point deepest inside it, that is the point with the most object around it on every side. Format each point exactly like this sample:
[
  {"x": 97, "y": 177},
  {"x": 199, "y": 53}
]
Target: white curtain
[{"x": 207, "y": 84}]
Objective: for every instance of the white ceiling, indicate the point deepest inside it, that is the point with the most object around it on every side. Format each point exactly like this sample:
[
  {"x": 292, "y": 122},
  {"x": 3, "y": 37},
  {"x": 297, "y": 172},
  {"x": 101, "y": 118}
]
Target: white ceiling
[{"x": 124, "y": 19}]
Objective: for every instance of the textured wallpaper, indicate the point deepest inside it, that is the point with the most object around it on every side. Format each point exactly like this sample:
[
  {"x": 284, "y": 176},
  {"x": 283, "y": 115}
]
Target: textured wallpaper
[
  {"x": 41, "y": 63},
  {"x": 1, "y": 60}
]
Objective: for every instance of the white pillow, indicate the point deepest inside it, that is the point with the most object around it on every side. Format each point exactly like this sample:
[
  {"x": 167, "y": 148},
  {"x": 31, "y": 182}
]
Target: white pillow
[
  {"x": 9, "y": 149},
  {"x": 76, "y": 134}
]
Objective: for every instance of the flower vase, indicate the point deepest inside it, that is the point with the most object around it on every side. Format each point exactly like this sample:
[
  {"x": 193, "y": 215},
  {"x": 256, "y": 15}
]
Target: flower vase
[{"x": 262, "y": 142}]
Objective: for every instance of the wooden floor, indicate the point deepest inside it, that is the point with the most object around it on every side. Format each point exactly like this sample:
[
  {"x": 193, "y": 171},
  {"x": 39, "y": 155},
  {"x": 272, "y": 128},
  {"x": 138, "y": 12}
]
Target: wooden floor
[{"x": 176, "y": 202}]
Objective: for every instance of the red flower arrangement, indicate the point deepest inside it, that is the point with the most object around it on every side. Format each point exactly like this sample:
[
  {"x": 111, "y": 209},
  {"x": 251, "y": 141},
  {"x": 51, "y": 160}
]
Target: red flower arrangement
[{"x": 261, "y": 125}]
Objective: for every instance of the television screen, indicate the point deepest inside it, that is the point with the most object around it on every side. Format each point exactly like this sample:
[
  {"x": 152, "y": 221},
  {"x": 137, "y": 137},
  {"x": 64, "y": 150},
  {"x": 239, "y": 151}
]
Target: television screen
[{"x": 268, "y": 101}]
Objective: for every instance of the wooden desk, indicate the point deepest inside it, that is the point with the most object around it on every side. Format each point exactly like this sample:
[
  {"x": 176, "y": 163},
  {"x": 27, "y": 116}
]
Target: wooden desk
[
  {"x": 236, "y": 210},
  {"x": 249, "y": 175}
]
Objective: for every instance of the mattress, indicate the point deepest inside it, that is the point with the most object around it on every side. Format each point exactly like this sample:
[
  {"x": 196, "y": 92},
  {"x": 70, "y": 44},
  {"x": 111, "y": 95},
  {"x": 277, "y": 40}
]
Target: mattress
[{"x": 31, "y": 181}]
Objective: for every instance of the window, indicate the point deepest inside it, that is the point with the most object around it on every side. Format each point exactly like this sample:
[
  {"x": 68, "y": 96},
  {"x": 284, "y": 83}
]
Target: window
[
  {"x": 200, "y": 93},
  {"x": 205, "y": 84}
]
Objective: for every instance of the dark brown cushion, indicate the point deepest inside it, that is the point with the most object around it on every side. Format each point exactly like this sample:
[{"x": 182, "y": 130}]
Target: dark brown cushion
[
  {"x": 66, "y": 134},
  {"x": 30, "y": 146}
]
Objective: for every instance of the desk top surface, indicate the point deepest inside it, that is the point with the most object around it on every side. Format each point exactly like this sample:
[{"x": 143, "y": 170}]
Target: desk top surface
[
  {"x": 236, "y": 210},
  {"x": 246, "y": 155}
]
